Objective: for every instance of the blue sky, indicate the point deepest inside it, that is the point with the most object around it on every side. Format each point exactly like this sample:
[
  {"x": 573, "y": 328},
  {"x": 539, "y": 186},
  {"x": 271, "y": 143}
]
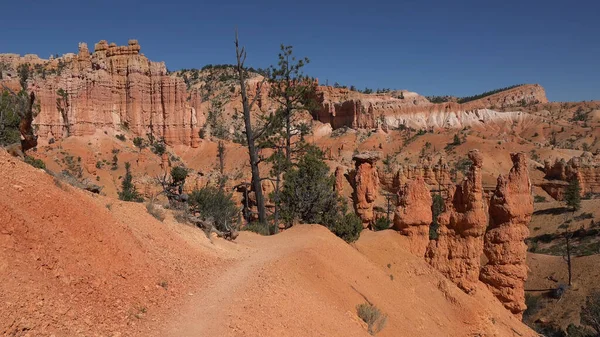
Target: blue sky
[{"x": 431, "y": 47}]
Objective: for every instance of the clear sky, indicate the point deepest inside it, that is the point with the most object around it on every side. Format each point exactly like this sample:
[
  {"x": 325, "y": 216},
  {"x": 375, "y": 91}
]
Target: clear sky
[{"x": 431, "y": 47}]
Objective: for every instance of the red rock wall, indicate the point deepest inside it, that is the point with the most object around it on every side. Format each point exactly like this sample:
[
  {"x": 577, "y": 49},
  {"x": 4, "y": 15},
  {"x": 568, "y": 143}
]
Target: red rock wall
[
  {"x": 118, "y": 86},
  {"x": 586, "y": 169}
]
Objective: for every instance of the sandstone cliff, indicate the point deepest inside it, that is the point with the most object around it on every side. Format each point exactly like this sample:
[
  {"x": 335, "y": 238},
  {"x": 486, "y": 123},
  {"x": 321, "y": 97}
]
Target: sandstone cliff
[
  {"x": 586, "y": 169},
  {"x": 413, "y": 214},
  {"x": 510, "y": 211},
  {"x": 111, "y": 87},
  {"x": 456, "y": 252},
  {"x": 341, "y": 107}
]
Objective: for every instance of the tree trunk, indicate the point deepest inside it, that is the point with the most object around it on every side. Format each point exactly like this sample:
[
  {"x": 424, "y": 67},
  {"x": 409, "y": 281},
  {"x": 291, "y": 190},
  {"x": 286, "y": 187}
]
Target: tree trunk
[
  {"x": 288, "y": 136},
  {"x": 567, "y": 237},
  {"x": 252, "y": 150}
]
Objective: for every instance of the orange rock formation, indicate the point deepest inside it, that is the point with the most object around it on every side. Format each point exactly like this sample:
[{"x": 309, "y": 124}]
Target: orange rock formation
[
  {"x": 586, "y": 169},
  {"x": 341, "y": 107},
  {"x": 510, "y": 212},
  {"x": 117, "y": 85},
  {"x": 366, "y": 186},
  {"x": 413, "y": 214},
  {"x": 457, "y": 251}
]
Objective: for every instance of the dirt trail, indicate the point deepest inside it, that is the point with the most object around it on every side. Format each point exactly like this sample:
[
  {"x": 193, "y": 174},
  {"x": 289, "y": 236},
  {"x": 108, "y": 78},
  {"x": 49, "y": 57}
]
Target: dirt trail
[{"x": 208, "y": 308}]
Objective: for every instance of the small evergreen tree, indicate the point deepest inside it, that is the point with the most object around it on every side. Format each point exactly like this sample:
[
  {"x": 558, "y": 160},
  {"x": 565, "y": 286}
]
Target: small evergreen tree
[
  {"x": 139, "y": 142},
  {"x": 128, "y": 191},
  {"x": 437, "y": 208},
  {"x": 179, "y": 174},
  {"x": 573, "y": 195},
  {"x": 456, "y": 140},
  {"x": 307, "y": 194}
]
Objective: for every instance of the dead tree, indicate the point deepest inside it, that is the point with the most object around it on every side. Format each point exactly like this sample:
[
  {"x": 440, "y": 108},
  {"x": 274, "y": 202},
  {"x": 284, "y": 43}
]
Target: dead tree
[
  {"x": 250, "y": 136},
  {"x": 172, "y": 190}
]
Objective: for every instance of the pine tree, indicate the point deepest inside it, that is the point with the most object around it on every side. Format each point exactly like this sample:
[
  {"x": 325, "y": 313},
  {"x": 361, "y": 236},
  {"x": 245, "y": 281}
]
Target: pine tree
[
  {"x": 128, "y": 191},
  {"x": 573, "y": 195}
]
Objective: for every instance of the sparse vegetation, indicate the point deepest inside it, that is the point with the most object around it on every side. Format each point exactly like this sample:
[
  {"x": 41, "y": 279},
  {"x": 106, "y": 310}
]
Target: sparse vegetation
[
  {"x": 159, "y": 147},
  {"x": 437, "y": 208},
  {"x": 381, "y": 224},
  {"x": 485, "y": 94},
  {"x": 573, "y": 195},
  {"x": 121, "y": 137},
  {"x": 371, "y": 315},
  {"x": 128, "y": 190},
  {"x": 308, "y": 196},
  {"x": 156, "y": 212},
  {"x": 346, "y": 227},
  {"x": 139, "y": 142},
  {"x": 463, "y": 165},
  {"x": 212, "y": 203},
  {"x": 539, "y": 198},
  {"x": 533, "y": 304},
  {"x": 37, "y": 163}
]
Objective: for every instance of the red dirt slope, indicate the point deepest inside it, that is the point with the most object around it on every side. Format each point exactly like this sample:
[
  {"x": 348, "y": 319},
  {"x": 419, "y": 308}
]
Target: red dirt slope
[
  {"x": 73, "y": 266},
  {"x": 69, "y": 267}
]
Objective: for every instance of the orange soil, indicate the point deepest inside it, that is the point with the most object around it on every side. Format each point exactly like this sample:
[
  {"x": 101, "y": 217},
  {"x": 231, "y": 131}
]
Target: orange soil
[{"x": 75, "y": 264}]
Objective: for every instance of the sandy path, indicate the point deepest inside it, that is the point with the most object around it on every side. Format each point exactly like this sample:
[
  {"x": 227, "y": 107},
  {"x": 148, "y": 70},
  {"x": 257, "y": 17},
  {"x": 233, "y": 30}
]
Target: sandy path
[{"x": 208, "y": 310}]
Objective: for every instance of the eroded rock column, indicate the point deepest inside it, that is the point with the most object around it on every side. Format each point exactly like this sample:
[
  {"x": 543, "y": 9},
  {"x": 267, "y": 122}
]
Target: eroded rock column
[
  {"x": 457, "y": 251},
  {"x": 413, "y": 215},
  {"x": 510, "y": 211},
  {"x": 366, "y": 185}
]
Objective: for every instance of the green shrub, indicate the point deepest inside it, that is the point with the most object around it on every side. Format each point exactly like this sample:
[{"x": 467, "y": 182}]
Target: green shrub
[
  {"x": 539, "y": 198},
  {"x": 257, "y": 227},
  {"x": 139, "y": 142},
  {"x": 179, "y": 174},
  {"x": 121, "y": 137},
  {"x": 37, "y": 163},
  {"x": 371, "y": 315},
  {"x": 347, "y": 227},
  {"x": 159, "y": 147},
  {"x": 381, "y": 224},
  {"x": 213, "y": 203}
]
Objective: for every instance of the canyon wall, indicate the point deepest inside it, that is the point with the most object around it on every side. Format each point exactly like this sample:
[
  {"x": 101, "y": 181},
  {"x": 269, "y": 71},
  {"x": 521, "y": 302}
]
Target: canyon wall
[
  {"x": 585, "y": 168},
  {"x": 436, "y": 176},
  {"x": 510, "y": 211},
  {"x": 115, "y": 86},
  {"x": 457, "y": 251},
  {"x": 341, "y": 107}
]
